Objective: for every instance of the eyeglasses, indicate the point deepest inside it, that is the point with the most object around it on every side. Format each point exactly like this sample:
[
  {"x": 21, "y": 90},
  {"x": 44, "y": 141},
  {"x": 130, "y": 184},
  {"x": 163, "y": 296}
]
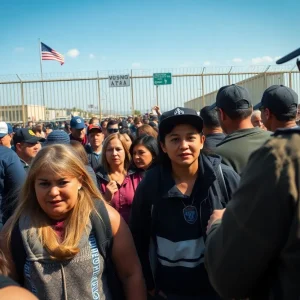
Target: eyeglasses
[{"x": 112, "y": 130}]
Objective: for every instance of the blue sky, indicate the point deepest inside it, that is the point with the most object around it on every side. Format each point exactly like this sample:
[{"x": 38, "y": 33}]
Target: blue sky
[{"x": 125, "y": 34}]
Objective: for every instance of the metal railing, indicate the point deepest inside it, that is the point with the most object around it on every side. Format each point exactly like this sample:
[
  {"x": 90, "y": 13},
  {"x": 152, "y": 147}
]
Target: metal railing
[{"x": 26, "y": 97}]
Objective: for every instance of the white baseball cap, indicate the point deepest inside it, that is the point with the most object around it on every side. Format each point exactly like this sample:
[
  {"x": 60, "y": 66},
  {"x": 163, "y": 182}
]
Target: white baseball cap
[{"x": 3, "y": 129}]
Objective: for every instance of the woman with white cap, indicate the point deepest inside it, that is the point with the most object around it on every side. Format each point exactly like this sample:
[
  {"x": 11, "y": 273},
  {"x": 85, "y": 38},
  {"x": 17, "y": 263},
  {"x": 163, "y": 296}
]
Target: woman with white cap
[{"x": 172, "y": 206}]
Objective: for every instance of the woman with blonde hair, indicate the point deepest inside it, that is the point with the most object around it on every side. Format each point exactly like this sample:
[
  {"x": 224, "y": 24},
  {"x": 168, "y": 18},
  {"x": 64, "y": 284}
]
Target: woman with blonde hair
[
  {"x": 53, "y": 227},
  {"x": 117, "y": 181}
]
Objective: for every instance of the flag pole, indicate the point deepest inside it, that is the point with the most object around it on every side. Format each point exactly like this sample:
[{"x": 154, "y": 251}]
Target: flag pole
[{"x": 41, "y": 68}]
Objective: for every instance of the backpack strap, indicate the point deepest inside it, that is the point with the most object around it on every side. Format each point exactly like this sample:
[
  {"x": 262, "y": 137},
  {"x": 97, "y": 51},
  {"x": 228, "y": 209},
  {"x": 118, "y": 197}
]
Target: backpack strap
[
  {"x": 101, "y": 227},
  {"x": 18, "y": 252},
  {"x": 222, "y": 184}
]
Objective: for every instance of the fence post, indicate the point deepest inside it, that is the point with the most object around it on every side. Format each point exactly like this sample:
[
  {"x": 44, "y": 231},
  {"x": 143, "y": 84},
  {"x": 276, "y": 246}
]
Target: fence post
[
  {"x": 265, "y": 77},
  {"x": 99, "y": 96},
  {"x": 290, "y": 77},
  {"x": 132, "y": 97},
  {"x": 202, "y": 83},
  {"x": 22, "y": 100},
  {"x": 229, "y": 78}
]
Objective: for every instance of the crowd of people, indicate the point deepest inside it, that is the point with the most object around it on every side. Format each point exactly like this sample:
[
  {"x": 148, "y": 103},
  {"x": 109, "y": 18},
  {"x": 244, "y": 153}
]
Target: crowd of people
[{"x": 178, "y": 205}]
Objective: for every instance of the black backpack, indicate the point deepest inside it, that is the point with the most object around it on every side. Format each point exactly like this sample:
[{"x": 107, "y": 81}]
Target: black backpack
[{"x": 103, "y": 234}]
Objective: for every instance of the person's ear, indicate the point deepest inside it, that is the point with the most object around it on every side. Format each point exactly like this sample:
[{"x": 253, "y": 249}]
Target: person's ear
[
  {"x": 163, "y": 147},
  {"x": 267, "y": 113},
  {"x": 18, "y": 147},
  {"x": 222, "y": 115}
]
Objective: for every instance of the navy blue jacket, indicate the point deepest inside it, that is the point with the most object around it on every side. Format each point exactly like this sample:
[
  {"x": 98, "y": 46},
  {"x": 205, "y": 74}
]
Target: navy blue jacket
[
  {"x": 12, "y": 176},
  {"x": 157, "y": 212}
]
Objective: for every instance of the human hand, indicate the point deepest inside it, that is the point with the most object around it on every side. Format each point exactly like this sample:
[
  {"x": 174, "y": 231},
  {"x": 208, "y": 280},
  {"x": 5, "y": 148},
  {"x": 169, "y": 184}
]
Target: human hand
[
  {"x": 157, "y": 110},
  {"x": 111, "y": 188},
  {"x": 216, "y": 215}
]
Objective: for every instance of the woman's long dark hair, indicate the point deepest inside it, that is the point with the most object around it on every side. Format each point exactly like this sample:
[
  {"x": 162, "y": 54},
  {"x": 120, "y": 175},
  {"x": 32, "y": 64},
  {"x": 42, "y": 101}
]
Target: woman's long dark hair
[{"x": 148, "y": 142}]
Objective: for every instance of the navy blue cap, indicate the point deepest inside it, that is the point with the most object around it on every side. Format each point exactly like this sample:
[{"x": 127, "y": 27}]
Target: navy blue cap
[
  {"x": 176, "y": 116},
  {"x": 232, "y": 97},
  {"x": 279, "y": 99},
  {"x": 26, "y": 135},
  {"x": 77, "y": 123}
]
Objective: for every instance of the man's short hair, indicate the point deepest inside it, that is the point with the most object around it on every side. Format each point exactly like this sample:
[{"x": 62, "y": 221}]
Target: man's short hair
[
  {"x": 239, "y": 114},
  {"x": 112, "y": 122},
  {"x": 210, "y": 117},
  {"x": 137, "y": 120}
]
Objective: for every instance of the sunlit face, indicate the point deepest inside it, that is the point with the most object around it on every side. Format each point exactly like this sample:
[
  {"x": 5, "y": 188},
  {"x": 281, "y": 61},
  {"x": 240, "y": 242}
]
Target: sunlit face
[
  {"x": 256, "y": 120},
  {"x": 95, "y": 122},
  {"x": 28, "y": 151},
  {"x": 265, "y": 118},
  {"x": 56, "y": 194},
  {"x": 115, "y": 153},
  {"x": 96, "y": 138},
  {"x": 183, "y": 145},
  {"x": 78, "y": 133},
  {"x": 139, "y": 124},
  {"x": 142, "y": 157},
  {"x": 114, "y": 128}
]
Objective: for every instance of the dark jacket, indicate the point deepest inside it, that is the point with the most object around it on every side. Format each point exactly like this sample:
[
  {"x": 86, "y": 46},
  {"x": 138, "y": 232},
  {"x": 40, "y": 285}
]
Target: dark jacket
[
  {"x": 157, "y": 212},
  {"x": 212, "y": 140},
  {"x": 255, "y": 251},
  {"x": 12, "y": 176},
  {"x": 94, "y": 162},
  {"x": 236, "y": 147}
]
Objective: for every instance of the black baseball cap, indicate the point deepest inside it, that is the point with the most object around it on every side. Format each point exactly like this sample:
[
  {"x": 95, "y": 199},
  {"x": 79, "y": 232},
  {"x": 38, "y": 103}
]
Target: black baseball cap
[
  {"x": 279, "y": 99},
  {"x": 123, "y": 125},
  {"x": 26, "y": 135},
  {"x": 180, "y": 115},
  {"x": 232, "y": 97}
]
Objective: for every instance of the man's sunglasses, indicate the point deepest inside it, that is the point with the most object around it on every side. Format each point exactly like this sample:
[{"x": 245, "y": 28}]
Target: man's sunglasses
[{"x": 112, "y": 130}]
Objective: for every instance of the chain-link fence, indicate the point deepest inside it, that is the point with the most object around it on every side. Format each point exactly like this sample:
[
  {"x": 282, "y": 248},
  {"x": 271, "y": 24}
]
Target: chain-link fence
[{"x": 31, "y": 97}]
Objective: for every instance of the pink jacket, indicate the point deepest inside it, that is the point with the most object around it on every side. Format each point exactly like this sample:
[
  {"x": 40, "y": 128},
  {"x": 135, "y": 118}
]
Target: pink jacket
[{"x": 122, "y": 199}]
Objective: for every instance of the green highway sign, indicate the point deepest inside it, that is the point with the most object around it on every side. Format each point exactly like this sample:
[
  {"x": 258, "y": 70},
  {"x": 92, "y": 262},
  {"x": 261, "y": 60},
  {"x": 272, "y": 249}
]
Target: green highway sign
[{"x": 162, "y": 78}]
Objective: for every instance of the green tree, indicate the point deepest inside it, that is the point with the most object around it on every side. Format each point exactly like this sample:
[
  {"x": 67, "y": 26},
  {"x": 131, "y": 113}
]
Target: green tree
[{"x": 137, "y": 113}]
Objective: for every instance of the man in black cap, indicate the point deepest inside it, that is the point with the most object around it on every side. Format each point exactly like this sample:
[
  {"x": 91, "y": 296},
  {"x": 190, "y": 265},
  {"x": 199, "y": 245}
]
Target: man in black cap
[
  {"x": 278, "y": 107},
  {"x": 234, "y": 108},
  {"x": 27, "y": 145}
]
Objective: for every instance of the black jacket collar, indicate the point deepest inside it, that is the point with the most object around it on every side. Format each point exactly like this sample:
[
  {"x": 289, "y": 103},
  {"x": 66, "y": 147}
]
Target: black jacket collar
[{"x": 206, "y": 175}]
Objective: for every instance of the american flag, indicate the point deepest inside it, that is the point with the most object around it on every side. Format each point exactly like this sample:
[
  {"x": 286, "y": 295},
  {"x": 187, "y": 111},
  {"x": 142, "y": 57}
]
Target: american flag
[{"x": 50, "y": 54}]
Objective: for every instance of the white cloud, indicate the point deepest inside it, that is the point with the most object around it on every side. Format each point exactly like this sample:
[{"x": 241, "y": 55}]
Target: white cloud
[
  {"x": 261, "y": 60},
  {"x": 207, "y": 63},
  {"x": 73, "y": 53},
  {"x": 237, "y": 60},
  {"x": 91, "y": 56},
  {"x": 136, "y": 65},
  {"x": 19, "y": 49},
  {"x": 277, "y": 57}
]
